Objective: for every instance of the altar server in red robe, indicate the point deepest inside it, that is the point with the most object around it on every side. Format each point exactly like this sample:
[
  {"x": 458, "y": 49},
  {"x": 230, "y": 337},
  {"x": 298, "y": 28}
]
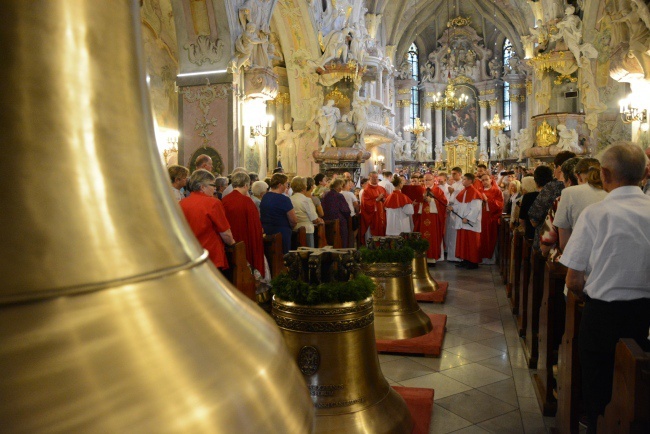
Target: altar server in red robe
[
  {"x": 468, "y": 206},
  {"x": 481, "y": 170},
  {"x": 432, "y": 218},
  {"x": 244, "y": 219},
  {"x": 373, "y": 214},
  {"x": 399, "y": 209},
  {"x": 492, "y": 209}
]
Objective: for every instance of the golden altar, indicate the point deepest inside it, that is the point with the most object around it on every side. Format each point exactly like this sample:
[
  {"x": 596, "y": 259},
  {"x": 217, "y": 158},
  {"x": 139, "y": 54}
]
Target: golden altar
[{"x": 461, "y": 153}]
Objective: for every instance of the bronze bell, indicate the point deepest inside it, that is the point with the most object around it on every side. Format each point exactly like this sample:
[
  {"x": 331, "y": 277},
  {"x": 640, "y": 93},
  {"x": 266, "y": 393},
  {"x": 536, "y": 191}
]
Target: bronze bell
[
  {"x": 423, "y": 281},
  {"x": 397, "y": 312},
  {"x": 334, "y": 347},
  {"x": 112, "y": 319}
]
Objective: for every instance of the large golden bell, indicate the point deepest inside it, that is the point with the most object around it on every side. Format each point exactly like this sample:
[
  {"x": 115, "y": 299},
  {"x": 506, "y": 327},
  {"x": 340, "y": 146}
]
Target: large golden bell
[
  {"x": 422, "y": 279},
  {"x": 334, "y": 347},
  {"x": 397, "y": 313},
  {"x": 111, "y": 317}
]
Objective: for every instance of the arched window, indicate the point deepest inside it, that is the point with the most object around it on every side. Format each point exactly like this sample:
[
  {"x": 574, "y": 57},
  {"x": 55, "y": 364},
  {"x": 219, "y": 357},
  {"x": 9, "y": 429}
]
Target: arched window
[
  {"x": 415, "y": 74},
  {"x": 507, "y": 54}
]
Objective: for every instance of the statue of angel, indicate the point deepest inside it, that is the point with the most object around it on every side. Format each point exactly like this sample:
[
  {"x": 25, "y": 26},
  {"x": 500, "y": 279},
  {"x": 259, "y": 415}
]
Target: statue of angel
[
  {"x": 568, "y": 139},
  {"x": 360, "y": 118},
  {"x": 427, "y": 72},
  {"x": 420, "y": 148},
  {"x": 502, "y": 141},
  {"x": 327, "y": 117},
  {"x": 525, "y": 141},
  {"x": 401, "y": 151}
]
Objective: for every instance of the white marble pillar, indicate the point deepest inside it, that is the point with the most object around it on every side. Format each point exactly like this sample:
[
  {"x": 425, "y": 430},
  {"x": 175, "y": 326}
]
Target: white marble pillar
[
  {"x": 425, "y": 114},
  {"x": 494, "y": 109},
  {"x": 379, "y": 86},
  {"x": 514, "y": 112},
  {"x": 439, "y": 137},
  {"x": 484, "y": 132},
  {"x": 272, "y": 150},
  {"x": 386, "y": 99}
]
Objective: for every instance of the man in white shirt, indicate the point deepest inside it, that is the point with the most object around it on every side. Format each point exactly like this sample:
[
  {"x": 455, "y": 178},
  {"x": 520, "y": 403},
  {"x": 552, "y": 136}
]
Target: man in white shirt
[
  {"x": 452, "y": 220},
  {"x": 608, "y": 256},
  {"x": 387, "y": 182},
  {"x": 350, "y": 198}
]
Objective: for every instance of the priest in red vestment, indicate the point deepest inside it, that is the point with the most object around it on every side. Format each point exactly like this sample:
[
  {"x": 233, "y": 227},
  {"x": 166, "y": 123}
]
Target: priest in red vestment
[
  {"x": 492, "y": 209},
  {"x": 430, "y": 217},
  {"x": 399, "y": 209},
  {"x": 469, "y": 204},
  {"x": 373, "y": 214},
  {"x": 245, "y": 222}
]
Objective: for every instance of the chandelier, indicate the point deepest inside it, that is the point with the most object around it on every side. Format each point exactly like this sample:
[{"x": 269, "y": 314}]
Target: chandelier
[
  {"x": 450, "y": 101},
  {"x": 417, "y": 128},
  {"x": 630, "y": 113},
  {"x": 496, "y": 124}
]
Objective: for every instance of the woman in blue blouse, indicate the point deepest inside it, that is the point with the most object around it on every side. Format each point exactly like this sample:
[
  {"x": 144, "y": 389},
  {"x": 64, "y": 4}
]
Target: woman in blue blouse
[{"x": 277, "y": 211}]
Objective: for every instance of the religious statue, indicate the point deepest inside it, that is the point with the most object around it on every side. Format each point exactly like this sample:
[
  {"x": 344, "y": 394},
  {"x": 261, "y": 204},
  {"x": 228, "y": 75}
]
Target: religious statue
[
  {"x": 251, "y": 49},
  {"x": 420, "y": 148},
  {"x": 336, "y": 45},
  {"x": 438, "y": 150},
  {"x": 286, "y": 143},
  {"x": 256, "y": 12},
  {"x": 636, "y": 17},
  {"x": 404, "y": 71},
  {"x": 526, "y": 141},
  {"x": 275, "y": 53},
  {"x": 360, "y": 118},
  {"x": 570, "y": 31},
  {"x": 400, "y": 149},
  {"x": 514, "y": 65},
  {"x": 427, "y": 72},
  {"x": 495, "y": 67},
  {"x": 552, "y": 9},
  {"x": 358, "y": 39},
  {"x": 502, "y": 141},
  {"x": 538, "y": 35},
  {"x": 327, "y": 117},
  {"x": 568, "y": 139}
]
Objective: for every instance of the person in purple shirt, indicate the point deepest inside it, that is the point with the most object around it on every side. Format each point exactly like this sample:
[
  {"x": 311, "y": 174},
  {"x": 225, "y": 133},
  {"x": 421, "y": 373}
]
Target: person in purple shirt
[{"x": 336, "y": 207}]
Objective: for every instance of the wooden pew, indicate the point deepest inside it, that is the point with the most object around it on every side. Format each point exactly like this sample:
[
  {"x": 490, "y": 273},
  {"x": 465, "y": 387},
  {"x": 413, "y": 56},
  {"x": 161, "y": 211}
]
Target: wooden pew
[
  {"x": 524, "y": 280},
  {"x": 333, "y": 233},
  {"x": 273, "y": 253},
  {"x": 351, "y": 238},
  {"x": 629, "y": 409},
  {"x": 320, "y": 236},
  {"x": 535, "y": 293},
  {"x": 238, "y": 272},
  {"x": 299, "y": 238},
  {"x": 515, "y": 270},
  {"x": 504, "y": 235},
  {"x": 551, "y": 324},
  {"x": 569, "y": 381}
]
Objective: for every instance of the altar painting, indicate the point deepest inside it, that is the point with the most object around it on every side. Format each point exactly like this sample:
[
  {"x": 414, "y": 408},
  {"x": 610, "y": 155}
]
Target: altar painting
[{"x": 463, "y": 122}]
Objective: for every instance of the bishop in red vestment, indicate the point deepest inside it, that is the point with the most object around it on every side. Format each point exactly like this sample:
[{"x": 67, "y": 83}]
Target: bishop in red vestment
[
  {"x": 430, "y": 217},
  {"x": 469, "y": 204},
  {"x": 373, "y": 214},
  {"x": 492, "y": 209},
  {"x": 246, "y": 225}
]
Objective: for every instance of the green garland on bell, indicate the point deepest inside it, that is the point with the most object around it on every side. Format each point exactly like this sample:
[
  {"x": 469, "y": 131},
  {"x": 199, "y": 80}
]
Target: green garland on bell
[
  {"x": 420, "y": 245},
  {"x": 385, "y": 256},
  {"x": 299, "y": 292}
]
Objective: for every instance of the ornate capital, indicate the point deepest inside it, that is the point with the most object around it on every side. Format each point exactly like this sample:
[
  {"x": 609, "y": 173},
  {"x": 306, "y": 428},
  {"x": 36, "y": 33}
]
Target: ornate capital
[
  {"x": 403, "y": 103},
  {"x": 483, "y": 103},
  {"x": 404, "y": 91},
  {"x": 429, "y": 105},
  {"x": 529, "y": 87},
  {"x": 517, "y": 98},
  {"x": 487, "y": 92},
  {"x": 492, "y": 102}
]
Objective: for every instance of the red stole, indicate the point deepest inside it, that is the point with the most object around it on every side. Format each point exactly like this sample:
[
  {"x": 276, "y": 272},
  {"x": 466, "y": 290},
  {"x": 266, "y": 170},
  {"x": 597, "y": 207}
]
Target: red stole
[
  {"x": 373, "y": 214},
  {"x": 468, "y": 194},
  {"x": 432, "y": 225},
  {"x": 246, "y": 226}
]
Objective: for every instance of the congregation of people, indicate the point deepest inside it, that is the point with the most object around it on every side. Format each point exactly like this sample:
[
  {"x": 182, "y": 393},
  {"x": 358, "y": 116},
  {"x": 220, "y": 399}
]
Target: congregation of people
[{"x": 590, "y": 215}]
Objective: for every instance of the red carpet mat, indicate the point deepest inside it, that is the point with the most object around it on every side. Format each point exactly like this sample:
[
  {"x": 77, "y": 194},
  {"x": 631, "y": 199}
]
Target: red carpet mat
[
  {"x": 435, "y": 296},
  {"x": 420, "y": 403},
  {"x": 428, "y": 345}
]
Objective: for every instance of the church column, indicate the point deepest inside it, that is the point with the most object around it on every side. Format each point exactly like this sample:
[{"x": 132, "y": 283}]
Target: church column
[
  {"x": 386, "y": 99},
  {"x": 439, "y": 138},
  {"x": 403, "y": 103},
  {"x": 494, "y": 109},
  {"x": 483, "y": 104},
  {"x": 426, "y": 89},
  {"x": 379, "y": 85},
  {"x": 272, "y": 150}
]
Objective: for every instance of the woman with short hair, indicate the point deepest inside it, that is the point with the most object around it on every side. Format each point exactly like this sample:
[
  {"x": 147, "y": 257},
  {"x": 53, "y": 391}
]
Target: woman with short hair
[
  {"x": 207, "y": 218},
  {"x": 277, "y": 211},
  {"x": 178, "y": 175},
  {"x": 304, "y": 208},
  {"x": 258, "y": 189}
]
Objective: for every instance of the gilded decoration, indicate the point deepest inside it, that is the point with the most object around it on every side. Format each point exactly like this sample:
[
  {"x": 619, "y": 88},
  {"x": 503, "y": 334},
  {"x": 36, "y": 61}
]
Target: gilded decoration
[
  {"x": 403, "y": 103},
  {"x": 483, "y": 103},
  {"x": 517, "y": 98},
  {"x": 404, "y": 91},
  {"x": 529, "y": 87},
  {"x": 487, "y": 92},
  {"x": 340, "y": 99},
  {"x": 546, "y": 135},
  {"x": 562, "y": 78},
  {"x": 517, "y": 85},
  {"x": 429, "y": 105},
  {"x": 430, "y": 94},
  {"x": 461, "y": 152},
  {"x": 459, "y": 21},
  {"x": 492, "y": 102},
  {"x": 562, "y": 62}
]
